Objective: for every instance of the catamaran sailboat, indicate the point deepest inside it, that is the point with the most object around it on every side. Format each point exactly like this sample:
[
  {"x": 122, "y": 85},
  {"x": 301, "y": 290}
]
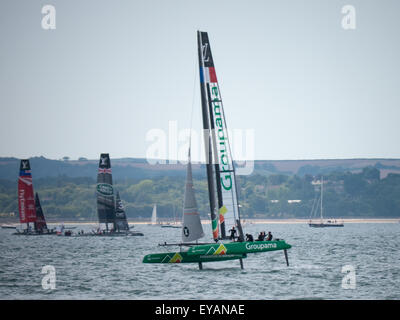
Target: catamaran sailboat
[
  {"x": 222, "y": 192},
  {"x": 109, "y": 211},
  {"x": 321, "y": 223},
  {"x": 30, "y": 210}
]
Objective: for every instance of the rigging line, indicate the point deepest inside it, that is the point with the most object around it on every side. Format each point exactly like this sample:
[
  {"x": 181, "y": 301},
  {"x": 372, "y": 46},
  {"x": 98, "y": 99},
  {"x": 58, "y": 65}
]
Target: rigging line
[
  {"x": 234, "y": 193},
  {"x": 313, "y": 207},
  {"x": 316, "y": 206},
  {"x": 193, "y": 100}
]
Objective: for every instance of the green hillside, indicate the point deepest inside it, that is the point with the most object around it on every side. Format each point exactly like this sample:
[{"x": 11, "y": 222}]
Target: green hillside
[{"x": 346, "y": 194}]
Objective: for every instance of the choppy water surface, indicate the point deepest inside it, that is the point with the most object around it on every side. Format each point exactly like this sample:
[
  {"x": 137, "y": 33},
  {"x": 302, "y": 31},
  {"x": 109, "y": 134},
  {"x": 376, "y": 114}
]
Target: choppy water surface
[{"x": 112, "y": 268}]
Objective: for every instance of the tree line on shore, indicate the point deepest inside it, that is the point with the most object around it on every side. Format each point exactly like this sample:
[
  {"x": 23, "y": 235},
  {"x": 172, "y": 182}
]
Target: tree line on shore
[{"x": 346, "y": 195}]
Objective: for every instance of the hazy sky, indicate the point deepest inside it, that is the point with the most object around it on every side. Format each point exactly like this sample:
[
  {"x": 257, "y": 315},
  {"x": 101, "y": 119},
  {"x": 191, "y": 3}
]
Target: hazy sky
[{"x": 113, "y": 70}]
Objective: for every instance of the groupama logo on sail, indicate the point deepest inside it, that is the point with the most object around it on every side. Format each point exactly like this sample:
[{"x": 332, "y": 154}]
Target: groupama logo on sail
[
  {"x": 105, "y": 189},
  {"x": 211, "y": 78},
  {"x": 226, "y": 177}
]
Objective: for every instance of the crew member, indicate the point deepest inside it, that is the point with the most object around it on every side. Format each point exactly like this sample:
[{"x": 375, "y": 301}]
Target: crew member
[
  {"x": 261, "y": 236},
  {"x": 233, "y": 232}
]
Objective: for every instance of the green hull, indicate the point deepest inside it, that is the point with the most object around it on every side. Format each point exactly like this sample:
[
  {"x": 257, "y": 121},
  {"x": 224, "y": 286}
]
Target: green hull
[
  {"x": 216, "y": 252},
  {"x": 183, "y": 257}
]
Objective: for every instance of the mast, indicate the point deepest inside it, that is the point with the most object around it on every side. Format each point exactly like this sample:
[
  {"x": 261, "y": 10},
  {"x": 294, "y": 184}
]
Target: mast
[
  {"x": 322, "y": 188},
  {"x": 206, "y": 130},
  {"x": 105, "y": 192},
  {"x": 26, "y": 201},
  {"x": 223, "y": 171}
]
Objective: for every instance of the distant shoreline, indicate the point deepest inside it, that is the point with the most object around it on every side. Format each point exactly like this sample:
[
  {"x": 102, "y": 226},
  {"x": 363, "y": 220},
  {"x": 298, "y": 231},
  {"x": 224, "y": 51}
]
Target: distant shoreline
[
  {"x": 305, "y": 221},
  {"x": 244, "y": 221}
]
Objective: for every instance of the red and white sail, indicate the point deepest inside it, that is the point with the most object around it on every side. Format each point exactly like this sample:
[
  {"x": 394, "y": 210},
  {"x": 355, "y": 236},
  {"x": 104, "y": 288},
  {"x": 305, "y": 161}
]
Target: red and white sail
[{"x": 26, "y": 200}]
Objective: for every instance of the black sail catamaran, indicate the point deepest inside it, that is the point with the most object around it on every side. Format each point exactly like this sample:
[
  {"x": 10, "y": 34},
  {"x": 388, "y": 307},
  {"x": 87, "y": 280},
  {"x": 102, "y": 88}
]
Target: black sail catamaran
[
  {"x": 110, "y": 211},
  {"x": 222, "y": 187},
  {"x": 30, "y": 210},
  {"x": 105, "y": 193}
]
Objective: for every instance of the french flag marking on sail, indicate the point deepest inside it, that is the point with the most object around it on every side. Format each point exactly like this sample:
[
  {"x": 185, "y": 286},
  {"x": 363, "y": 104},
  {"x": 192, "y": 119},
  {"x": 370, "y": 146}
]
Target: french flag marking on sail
[{"x": 209, "y": 74}]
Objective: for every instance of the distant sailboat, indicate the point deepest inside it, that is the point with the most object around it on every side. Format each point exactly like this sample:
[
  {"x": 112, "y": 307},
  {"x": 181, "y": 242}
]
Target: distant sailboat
[
  {"x": 169, "y": 225},
  {"x": 321, "y": 223},
  {"x": 175, "y": 224},
  {"x": 106, "y": 205},
  {"x": 154, "y": 220},
  {"x": 30, "y": 210}
]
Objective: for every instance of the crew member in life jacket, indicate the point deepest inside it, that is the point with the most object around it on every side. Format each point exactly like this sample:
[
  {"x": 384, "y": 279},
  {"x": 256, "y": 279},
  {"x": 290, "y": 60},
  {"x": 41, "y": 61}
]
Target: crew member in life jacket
[
  {"x": 261, "y": 236},
  {"x": 269, "y": 237},
  {"x": 233, "y": 232},
  {"x": 249, "y": 237}
]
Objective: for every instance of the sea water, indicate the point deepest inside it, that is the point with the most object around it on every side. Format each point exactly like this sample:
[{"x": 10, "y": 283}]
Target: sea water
[{"x": 358, "y": 261}]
